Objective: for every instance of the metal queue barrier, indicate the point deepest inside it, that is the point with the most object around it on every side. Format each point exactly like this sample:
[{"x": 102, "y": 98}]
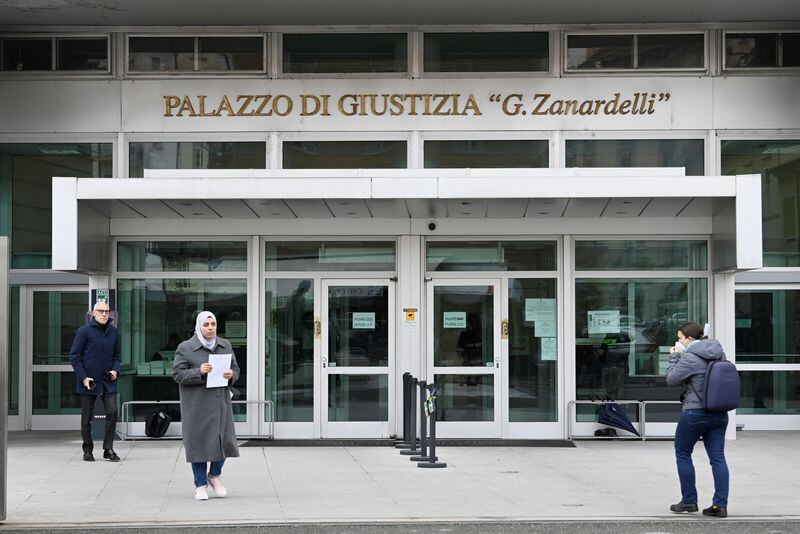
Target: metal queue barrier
[
  {"x": 126, "y": 419},
  {"x": 422, "y": 448}
]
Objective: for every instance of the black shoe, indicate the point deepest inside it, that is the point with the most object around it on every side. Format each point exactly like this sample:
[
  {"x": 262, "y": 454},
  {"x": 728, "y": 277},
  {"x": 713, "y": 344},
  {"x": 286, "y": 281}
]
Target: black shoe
[
  {"x": 683, "y": 507},
  {"x": 88, "y": 457},
  {"x": 715, "y": 511},
  {"x": 110, "y": 455}
]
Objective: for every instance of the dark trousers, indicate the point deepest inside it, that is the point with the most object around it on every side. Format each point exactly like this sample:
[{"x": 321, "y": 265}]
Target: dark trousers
[
  {"x": 692, "y": 425},
  {"x": 87, "y": 414}
]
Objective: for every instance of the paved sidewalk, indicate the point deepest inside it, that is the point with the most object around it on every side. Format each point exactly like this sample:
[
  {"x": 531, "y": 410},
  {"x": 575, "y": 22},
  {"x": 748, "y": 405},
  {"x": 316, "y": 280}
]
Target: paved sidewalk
[{"x": 49, "y": 484}]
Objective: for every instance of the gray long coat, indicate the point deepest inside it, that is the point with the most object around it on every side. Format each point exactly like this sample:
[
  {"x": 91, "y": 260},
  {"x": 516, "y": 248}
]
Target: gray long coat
[{"x": 206, "y": 413}]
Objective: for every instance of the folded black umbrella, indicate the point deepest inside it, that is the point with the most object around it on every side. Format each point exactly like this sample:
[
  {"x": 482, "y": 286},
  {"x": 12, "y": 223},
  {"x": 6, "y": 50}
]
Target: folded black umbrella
[{"x": 612, "y": 414}]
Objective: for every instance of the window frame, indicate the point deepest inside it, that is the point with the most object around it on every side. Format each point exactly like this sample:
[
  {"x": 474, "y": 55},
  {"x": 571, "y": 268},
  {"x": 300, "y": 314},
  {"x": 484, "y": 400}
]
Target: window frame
[
  {"x": 635, "y": 53},
  {"x": 54, "y": 70}
]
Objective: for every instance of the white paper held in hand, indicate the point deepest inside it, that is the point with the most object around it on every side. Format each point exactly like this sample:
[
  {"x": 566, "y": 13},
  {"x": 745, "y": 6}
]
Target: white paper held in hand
[{"x": 219, "y": 364}]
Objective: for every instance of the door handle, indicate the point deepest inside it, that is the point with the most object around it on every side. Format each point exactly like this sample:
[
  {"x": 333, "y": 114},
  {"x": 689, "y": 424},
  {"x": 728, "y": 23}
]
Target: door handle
[{"x": 324, "y": 362}]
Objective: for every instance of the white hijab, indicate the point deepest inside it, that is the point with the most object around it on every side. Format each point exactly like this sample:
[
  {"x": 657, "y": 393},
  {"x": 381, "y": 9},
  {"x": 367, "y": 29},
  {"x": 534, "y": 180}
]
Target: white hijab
[{"x": 202, "y": 317}]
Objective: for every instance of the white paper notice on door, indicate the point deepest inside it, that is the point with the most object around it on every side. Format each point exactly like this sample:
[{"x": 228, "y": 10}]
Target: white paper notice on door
[
  {"x": 455, "y": 319},
  {"x": 549, "y": 348},
  {"x": 543, "y": 314},
  {"x": 604, "y": 322},
  {"x": 363, "y": 320}
]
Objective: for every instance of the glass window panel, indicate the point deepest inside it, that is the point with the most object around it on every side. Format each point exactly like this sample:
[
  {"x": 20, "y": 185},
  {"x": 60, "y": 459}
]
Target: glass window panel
[
  {"x": 750, "y": 50},
  {"x": 487, "y": 52},
  {"x": 358, "y": 326},
  {"x": 769, "y": 393},
  {"x": 231, "y": 53},
  {"x": 532, "y": 350},
  {"x": 13, "y": 350},
  {"x": 592, "y": 52},
  {"x": 475, "y": 154},
  {"x": 791, "y": 49},
  {"x": 186, "y": 256},
  {"x": 491, "y": 255},
  {"x": 156, "y": 315},
  {"x": 57, "y": 315},
  {"x": 26, "y": 174},
  {"x": 612, "y": 255},
  {"x": 623, "y": 331},
  {"x": 330, "y": 256},
  {"x": 344, "y": 52},
  {"x": 82, "y": 54},
  {"x": 196, "y": 155},
  {"x": 344, "y": 155},
  {"x": 686, "y": 153},
  {"x": 677, "y": 51},
  {"x": 779, "y": 165},
  {"x": 27, "y": 54},
  {"x": 358, "y": 397},
  {"x": 768, "y": 326},
  {"x": 54, "y": 393},
  {"x": 158, "y": 54},
  {"x": 463, "y": 326},
  {"x": 464, "y": 398},
  {"x": 290, "y": 348}
]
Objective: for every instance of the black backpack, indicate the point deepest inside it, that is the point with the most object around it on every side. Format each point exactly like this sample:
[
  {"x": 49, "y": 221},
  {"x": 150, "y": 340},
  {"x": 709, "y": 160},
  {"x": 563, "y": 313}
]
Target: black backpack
[{"x": 156, "y": 424}]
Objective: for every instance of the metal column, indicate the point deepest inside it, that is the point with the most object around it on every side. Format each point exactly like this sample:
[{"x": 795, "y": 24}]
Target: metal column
[{"x": 3, "y": 377}]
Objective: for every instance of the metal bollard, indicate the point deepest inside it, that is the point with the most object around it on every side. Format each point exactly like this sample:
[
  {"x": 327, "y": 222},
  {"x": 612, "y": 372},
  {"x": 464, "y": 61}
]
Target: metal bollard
[
  {"x": 406, "y": 390},
  {"x": 423, "y": 426},
  {"x": 432, "y": 459},
  {"x": 412, "y": 420}
]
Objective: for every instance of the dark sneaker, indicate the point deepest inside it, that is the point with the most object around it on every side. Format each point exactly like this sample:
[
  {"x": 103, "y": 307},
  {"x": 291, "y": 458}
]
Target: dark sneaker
[
  {"x": 88, "y": 457},
  {"x": 715, "y": 511},
  {"x": 683, "y": 507},
  {"x": 110, "y": 455}
]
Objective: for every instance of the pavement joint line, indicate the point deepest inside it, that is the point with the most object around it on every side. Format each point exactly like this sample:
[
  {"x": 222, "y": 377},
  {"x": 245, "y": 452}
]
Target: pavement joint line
[
  {"x": 373, "y": 479},
  {"x": 274, "y": 483}
]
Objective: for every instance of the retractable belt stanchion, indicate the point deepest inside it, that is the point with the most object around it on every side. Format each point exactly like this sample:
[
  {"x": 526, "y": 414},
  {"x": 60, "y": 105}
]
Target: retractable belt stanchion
[
  {"x": 423, "y": 426},
  {"x": 432, "y": 463},
  {"x": 412, "y": 438},
  {"x": 400, "y": 442}
]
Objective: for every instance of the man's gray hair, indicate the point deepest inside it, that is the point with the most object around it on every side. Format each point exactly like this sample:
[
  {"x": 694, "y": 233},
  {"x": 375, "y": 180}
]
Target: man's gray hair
[{"x": 98, "y": 303}]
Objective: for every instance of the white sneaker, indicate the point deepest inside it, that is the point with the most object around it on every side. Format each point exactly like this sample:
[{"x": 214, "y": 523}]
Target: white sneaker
[
  {"x": 219, "y": 489},
  {"x": 201, "y": 493}
]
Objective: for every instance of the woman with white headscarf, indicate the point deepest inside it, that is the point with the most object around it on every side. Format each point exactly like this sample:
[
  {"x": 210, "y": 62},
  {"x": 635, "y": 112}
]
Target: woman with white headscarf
[{"x": 206, "y": 413}]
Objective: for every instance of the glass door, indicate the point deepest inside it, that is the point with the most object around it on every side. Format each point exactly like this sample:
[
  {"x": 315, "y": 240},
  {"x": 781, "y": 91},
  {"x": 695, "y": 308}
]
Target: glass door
[
  {"x": 357, "y": 359},
  {"x": 465, "y": 356},
  {"x": 55, "y": 314}
]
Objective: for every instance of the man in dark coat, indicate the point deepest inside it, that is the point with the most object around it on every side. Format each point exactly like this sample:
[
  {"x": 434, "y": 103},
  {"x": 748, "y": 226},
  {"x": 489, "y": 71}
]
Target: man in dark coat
[{"x": 95, "y": 357}]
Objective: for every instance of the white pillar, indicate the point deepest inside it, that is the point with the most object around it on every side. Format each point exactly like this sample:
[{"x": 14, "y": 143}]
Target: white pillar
[{"x": 724, "y": 326}]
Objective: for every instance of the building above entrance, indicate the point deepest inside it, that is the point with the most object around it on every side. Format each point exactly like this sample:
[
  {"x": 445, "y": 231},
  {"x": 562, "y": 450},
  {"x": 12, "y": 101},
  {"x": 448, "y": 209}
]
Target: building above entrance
[{"x": 89, "y": 211}]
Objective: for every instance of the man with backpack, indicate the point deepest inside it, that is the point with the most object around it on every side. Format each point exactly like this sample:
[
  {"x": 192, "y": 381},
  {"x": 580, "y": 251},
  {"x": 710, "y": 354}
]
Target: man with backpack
[{"x": 712, "y": 388}]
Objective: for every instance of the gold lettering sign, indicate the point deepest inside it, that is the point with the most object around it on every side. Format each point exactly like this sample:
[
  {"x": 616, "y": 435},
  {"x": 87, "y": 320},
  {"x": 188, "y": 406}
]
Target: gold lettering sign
[{"x": 409, "y": 104}]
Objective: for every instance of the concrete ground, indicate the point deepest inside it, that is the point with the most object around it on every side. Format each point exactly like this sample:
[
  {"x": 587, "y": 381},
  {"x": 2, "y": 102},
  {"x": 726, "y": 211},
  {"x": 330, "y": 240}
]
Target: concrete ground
[{"x": 50, "y": 486}]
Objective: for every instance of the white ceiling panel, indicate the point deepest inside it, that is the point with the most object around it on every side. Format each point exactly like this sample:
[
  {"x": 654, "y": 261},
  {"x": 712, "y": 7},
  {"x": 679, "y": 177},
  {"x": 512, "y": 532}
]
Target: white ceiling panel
[
  {"x": 698, "y": 207},
  {"x": 231, "y": 208},
  {"x": 625, "y": 207},
  {"x": 507, "y": 208},
  {"x": 585, "y": 207},
  {"x": 153, "y": 209},
  {"x": 192, "y": 209},
  {"x": 388, "y": 209},
  {"x": 664, "y": 207},
  {"x": 353, "y": 209},
  {"x": 426, "y": 208},
  {"x": 467, "y": 208},
  {"x": 546, "y": 208},
  {"x": 309, "y": 209},
  {"x": 270, "y": 209}
]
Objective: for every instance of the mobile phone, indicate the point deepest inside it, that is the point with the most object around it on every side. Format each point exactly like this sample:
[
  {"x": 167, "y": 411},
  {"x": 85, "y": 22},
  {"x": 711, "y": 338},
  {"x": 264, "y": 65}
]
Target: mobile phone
[{"x": 91, "y": 383}]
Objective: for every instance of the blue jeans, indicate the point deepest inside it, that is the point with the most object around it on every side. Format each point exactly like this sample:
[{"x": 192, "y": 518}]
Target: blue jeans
[
  {"x": 692, "y": 425},
  {"x": 199, "y": 470}
]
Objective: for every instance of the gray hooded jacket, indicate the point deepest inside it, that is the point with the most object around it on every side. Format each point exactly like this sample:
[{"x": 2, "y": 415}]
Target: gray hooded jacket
[{"x": 689, "y": 367}]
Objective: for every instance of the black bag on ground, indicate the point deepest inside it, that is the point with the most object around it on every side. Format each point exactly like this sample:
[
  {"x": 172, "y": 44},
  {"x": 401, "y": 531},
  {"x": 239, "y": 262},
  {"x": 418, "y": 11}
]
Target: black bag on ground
[{"x": 156, "y": 424}]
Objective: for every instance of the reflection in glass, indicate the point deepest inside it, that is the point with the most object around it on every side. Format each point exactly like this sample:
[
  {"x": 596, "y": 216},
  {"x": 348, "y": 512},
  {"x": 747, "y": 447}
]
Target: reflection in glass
[
  {"x": 623, "y": 331},
  {"x": 487, "y": 52},
  {"x": 491, "y": 255},
  {"x": 482, "y": 153},
  {"x": 769, "y": 392},
  {"x": 26, "y": 175},
  {"x": 158, "y": 54},
  {"x": 53, "y": 393},
  {"x": 463, "y": 326},
  {"x": 196, "y": 155},
  {"x": 330, "y": 256},
  {"x": 13, "y": 350},
  {"x": 671, "y": 51},
  {"x": 290, "y": 348},
  {"x": 82, "y": 54},
  {"x": 686, "y": 153},
  {"x": 358, "y": 326},
  {"x": 464, "y": 398},
  {"x": 27, "y": 54},
  {"x": 779, "y": 165},
  {"x": 358, "y": 398},
  {"x": 182, "y": 256},
  {"x": 156, "y": 315},
  {"x": 344, "y": 52},
  {"x": 768, "y": 326},
  {"x": 344, "y": 155},
  {"x": 231, "y": 53},
  {"x": 599, "y": 52},
  {"x": 749, "y": 50},
  {"x": 57, "y": 315},
  {"x": 666, "y": 255},
  {"x": 532, "y": 350}
]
